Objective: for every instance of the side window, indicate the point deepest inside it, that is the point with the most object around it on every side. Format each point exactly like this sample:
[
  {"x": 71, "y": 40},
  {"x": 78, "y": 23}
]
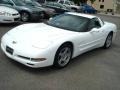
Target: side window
[{"x": 94, "y": 23}]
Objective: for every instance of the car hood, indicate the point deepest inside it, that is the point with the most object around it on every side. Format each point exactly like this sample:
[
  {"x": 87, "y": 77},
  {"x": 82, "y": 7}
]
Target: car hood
[
  {"x": 7, "y": 9},
  {"x": 38, "y": 33}
]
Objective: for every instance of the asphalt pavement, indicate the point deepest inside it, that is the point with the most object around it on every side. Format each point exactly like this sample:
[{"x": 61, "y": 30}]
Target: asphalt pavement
[{"x": 98, "y": 69}]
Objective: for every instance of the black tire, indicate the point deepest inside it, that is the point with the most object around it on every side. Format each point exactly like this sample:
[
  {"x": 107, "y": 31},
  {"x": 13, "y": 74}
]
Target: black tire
[
  {"x": 75, "y": 9},
  {"x": 25, "y": 16},
  {"x": 63, "y": 56},
  {"x": 46, "y": 16},
  {"x": 108, "y": 41},
  {"x": 42, "y": 15}
]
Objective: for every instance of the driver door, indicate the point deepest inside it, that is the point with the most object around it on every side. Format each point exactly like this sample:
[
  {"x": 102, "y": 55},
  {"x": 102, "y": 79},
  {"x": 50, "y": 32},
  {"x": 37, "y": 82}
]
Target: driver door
[
  {"x": 91, "y": 38},
  {"x": 97, "y": 31}
]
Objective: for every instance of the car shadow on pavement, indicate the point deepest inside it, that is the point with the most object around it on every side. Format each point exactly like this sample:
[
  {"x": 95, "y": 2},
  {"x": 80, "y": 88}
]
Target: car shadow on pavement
[
  {"x": 41, "y": 71},
  {"x": 73, "y": 64}
]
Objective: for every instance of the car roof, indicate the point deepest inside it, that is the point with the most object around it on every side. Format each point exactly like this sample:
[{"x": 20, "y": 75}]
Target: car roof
[{"x": 82, "y": 15}]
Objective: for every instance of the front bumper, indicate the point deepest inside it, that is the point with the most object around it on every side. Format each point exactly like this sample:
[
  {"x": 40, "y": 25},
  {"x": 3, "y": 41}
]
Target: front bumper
[
  {"x": 10, "y": 19},
  {"x": 26, "y": 61}
]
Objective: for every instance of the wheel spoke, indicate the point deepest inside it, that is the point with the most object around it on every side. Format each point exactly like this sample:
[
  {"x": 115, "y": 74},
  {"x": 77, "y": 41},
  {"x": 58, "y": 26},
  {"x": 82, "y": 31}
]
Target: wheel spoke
[
  {"x": 109, "y": 40},
  {"x": 64, "y": 56},
  {"x": 25, "y": 16}
]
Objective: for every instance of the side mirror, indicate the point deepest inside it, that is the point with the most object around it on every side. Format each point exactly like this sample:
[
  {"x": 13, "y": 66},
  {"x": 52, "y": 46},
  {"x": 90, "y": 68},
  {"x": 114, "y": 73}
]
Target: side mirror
[
  {"x": 50, "y": 18},
  {"x": 97, "y": 24},
  {"x": 94, "y": 30}
]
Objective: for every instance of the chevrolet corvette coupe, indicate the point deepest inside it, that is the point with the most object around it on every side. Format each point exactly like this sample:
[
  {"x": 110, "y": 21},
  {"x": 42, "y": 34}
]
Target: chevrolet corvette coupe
[{"x": 58, "y": 40}]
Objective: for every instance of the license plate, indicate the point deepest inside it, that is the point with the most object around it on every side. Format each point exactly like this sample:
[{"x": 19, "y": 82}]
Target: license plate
[
  {"x": 16, "y": 19},
  {"x": 9, "y": 50}
]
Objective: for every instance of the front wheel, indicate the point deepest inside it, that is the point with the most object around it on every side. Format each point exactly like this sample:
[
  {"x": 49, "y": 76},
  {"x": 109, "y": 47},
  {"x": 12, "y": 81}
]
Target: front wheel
[
  {"x": 46, "y": 16},
  {"x": 108, "y": 41},
  {"x": 25, "y": 16},
  {"x": 63, "y": 56}
]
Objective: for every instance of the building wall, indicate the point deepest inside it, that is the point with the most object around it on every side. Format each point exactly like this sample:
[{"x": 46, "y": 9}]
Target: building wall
[
  {"x": 118, "y": 6},
  {"x": 104, "y": 5},
  {"x": 118, "y": 9}
]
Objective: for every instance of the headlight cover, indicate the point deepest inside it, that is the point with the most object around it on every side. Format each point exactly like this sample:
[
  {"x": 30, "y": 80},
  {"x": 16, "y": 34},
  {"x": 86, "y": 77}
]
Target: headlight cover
[
  {"x": 41, "y": 44},
  {"x": 3, "y": 13}
]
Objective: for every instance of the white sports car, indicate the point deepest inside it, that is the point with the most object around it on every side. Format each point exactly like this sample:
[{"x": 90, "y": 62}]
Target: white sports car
[
  {"x": 58, "y": 40},
  {"x": 8, "y": 15}
]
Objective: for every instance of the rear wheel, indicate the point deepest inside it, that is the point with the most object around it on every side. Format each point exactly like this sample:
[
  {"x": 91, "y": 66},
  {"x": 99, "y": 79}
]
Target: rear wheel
[
  {"x": 63, "y": 56},
  {"x": 108, "y": 41}
]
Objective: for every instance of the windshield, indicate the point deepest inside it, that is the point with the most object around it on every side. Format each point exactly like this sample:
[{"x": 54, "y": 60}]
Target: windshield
[
  {"x": 62, "y": 2},
  {"x": 72, "y": 3},
  {"x": 69, "y": 22},
  {"x": 18, "y": 2},
  {"x": 31, "y": 2}
]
